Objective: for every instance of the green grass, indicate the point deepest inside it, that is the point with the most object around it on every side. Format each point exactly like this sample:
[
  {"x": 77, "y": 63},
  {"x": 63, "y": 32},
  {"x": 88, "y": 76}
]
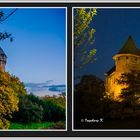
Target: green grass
[{"x": 42, "y": 125}]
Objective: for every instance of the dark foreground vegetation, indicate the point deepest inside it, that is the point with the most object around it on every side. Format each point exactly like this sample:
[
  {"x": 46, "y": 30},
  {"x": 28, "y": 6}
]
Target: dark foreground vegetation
[
  {"x": 39, "y": 113},
  {"x": 93, "y": 109}
]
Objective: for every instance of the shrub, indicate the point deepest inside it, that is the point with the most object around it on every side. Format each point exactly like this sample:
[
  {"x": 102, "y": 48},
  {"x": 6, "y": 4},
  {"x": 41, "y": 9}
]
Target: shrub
[
  {"x": 54, "y": 108},
  {"x": 29, "y": 111},
  {"x": 35, "y": 109}
]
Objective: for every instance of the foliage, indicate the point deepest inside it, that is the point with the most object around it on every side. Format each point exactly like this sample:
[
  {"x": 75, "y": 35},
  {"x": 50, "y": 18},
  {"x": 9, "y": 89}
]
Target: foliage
[
  {"x": 29, "y": 110},
  {"x": 131, "y": 93},
  {"x": 54, "y": 108},
  {"x": 83, "y": 36},
  {"x": 129, "y": 107},
  {"x": 39, "y": 125},
  {"x": 18, "y": 86},
  {"x": 8, "y": 98},
  {"x": 88, "y": 97},
  {"x": 35, "y": 109},
  {"x": 120, "y": 110},
  {"x": 91, "y": 102},
  {"x": 10, "y": 86}
]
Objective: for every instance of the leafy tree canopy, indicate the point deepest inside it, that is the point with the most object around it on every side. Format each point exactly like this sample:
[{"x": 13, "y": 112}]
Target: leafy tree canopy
[
  {"x": 83, "y": 36},
  {"x": 131, "y": 93},
  {"x": 10, "y": 89}
]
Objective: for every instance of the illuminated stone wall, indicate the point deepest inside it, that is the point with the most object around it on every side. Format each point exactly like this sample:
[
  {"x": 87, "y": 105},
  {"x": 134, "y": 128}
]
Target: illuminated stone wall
[{"x": 124, "y": 63}]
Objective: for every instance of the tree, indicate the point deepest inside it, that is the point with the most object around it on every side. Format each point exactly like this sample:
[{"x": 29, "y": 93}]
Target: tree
[
  {"x": 88, "y": 98},
  {"x": 83, "y": 37},
  {"x": 8, "y": 93},
  {"x": 54, "y": 108},
  {"x": 131, "y": 93},
  {"x": 30, "y": 109},
  {"x": 10, "y": 90},
  {"x": 129, "y": 105},
  {"x": 8, "y": 99}
]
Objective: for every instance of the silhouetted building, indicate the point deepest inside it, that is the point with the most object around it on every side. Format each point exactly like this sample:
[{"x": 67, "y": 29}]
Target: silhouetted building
[
  {"x": 3, "y": 59},
  {"x": 127, "y": 59}
]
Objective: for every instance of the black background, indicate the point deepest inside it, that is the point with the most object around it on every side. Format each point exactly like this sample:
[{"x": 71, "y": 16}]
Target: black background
[{"x": 69, "y": 132}]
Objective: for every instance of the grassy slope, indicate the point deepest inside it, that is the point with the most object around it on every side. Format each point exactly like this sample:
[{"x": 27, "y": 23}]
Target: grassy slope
[{"x": 42, "y": 125}]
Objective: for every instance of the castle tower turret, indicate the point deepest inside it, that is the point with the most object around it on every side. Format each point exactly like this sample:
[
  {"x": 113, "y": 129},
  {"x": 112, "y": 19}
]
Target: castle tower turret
[
  {"x": 3, "y": 59},
  {"x": 127, "y": 59}
]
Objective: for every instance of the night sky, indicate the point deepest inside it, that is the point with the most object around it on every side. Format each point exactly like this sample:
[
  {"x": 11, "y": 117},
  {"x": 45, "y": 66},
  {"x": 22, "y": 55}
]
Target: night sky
[
  {"x": 38, "y": 52},
  {"x": 113, "y": 26}
]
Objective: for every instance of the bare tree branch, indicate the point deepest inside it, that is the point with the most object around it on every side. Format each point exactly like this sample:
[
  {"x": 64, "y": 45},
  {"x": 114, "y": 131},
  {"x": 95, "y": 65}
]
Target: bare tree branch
[{"x": 8, "y": 15}]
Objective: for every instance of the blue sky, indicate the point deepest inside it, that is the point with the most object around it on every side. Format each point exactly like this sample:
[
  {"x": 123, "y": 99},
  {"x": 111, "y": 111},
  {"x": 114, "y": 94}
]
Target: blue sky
[
  {"x": 38, "y": 52},
  {"x": 113, "y": 26}
]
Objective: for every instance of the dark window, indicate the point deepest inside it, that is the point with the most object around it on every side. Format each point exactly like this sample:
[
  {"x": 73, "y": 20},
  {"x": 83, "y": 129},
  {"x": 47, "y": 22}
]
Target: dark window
[
  {"x": 126, "y": 57},
  {"x": 118, "y": 58},
  {"x": 135, "y": 59}
]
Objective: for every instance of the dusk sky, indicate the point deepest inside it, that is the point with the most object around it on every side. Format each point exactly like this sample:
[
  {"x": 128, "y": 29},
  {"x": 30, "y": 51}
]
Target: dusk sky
[
  {"x": 38, "y": 52},
  {"x": 113, "y": 26}
]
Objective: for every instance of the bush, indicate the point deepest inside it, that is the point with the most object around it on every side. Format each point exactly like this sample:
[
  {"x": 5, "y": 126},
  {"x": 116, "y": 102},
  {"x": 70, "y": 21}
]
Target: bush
[
  {"x": 29, "y": 111},
  {"x": 35, "y": 109},
  {"x": 54, "y": 108}
]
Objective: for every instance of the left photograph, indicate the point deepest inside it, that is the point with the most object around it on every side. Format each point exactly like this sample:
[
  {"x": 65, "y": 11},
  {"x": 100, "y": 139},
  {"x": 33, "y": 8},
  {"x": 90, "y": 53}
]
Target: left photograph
[{"x": 33, "y": 75}]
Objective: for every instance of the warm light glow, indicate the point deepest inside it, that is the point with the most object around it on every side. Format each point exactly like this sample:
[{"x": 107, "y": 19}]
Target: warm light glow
[{"x": 124, "y": 64}]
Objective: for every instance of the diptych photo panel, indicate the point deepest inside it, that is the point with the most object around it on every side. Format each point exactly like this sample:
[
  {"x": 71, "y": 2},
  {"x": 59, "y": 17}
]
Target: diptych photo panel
[
  {"x": 69, "y": 69},
  {"x": 33, "y": 73},
  {"x": 106, "y": 55}
]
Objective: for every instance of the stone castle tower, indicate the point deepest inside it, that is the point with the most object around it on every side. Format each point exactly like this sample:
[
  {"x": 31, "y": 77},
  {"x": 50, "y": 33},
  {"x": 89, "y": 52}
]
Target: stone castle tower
[
  {"x": 3, "y": 59},
  {"x": 127, "y": 59}
]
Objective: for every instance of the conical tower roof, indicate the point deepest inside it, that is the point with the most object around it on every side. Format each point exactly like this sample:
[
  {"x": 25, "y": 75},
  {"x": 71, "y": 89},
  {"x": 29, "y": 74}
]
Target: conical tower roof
[{"x": 129, "y": 47}]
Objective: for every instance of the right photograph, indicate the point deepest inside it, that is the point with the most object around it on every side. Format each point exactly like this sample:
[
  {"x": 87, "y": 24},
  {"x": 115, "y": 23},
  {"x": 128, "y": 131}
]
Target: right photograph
[{"x": 106, "y": 68}]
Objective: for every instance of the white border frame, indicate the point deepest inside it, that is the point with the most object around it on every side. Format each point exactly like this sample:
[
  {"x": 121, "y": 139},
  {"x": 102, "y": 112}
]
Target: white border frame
[
  {"x": 47, "y": 130},
  {"x": 73, "y": 71}
]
